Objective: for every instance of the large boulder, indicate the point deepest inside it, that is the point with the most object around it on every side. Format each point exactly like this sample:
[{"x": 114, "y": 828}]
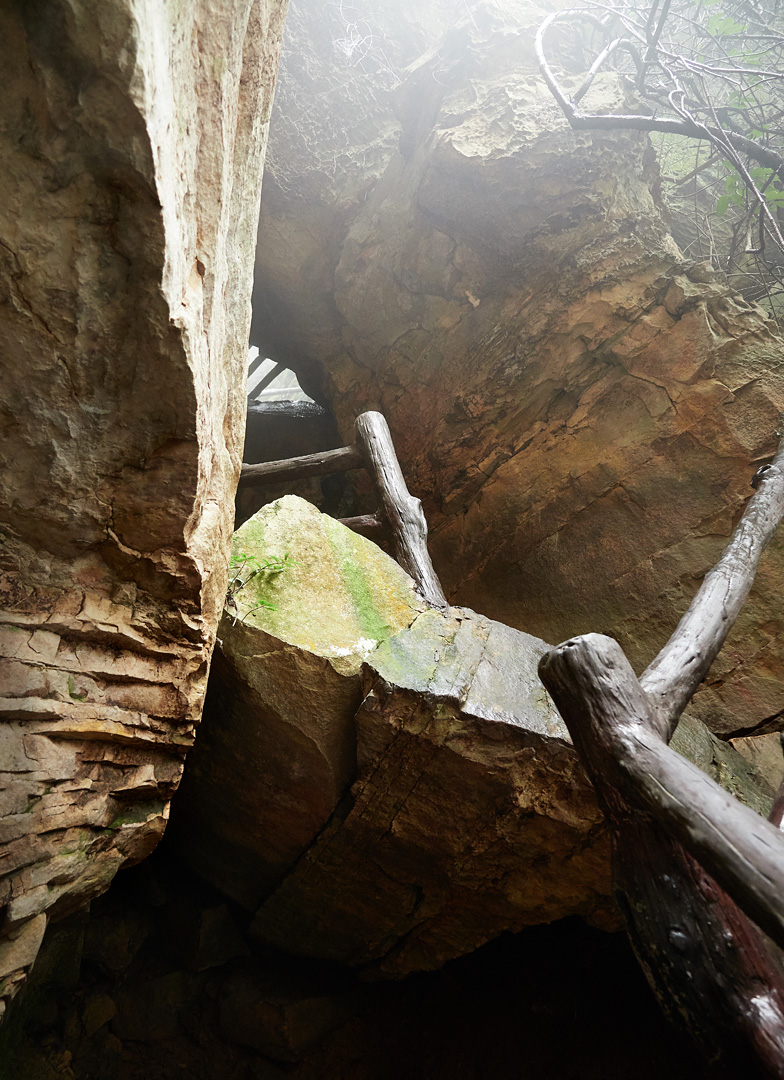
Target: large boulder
[
  {"x": 579, "y": 408},
  {"x": 277, "y": 749},
  {"x": 132, "y": 138},
  {"x": 381, "y": 783}
]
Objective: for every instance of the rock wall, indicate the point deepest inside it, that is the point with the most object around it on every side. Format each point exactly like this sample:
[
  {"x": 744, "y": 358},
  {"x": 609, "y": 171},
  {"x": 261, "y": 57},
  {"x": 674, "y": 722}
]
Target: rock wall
[
  {"x": 133, "y": 136},
  {"x": 580, "y": 410}
]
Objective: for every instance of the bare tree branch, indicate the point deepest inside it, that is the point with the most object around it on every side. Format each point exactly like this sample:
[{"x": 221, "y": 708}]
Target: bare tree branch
[
  {"x": 697, "y": 71},
  {"x": 638, "y": 122}
]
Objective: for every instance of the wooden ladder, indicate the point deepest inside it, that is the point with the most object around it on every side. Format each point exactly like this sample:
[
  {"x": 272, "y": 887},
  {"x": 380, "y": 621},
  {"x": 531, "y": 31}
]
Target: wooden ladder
[{"x": 400, "y": 512}]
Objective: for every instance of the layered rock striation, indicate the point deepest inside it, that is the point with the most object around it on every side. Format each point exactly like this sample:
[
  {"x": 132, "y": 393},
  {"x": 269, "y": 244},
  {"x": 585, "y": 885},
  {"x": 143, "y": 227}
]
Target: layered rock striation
[
  {"x": 579, "y": 407},
  {"x": 133, "y": 137}
]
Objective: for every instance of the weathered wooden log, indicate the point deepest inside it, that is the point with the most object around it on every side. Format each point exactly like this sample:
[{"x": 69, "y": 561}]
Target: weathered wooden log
[
  {"x": 714, "y": 974},
  {"x": 325, "y": 461},
  {"x": 364, "y": 524},
  {"x": 708, "y": 963},
  {"x": 685, "y": 660},
  {"x": 614, "y": 727},
  {"x": 401, "y": 510}
]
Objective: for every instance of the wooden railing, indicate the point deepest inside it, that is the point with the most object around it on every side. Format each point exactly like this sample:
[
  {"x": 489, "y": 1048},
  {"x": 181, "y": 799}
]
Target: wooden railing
[
  {"x": 400, "y": 512},
  {"x": 698, "y": 875}
]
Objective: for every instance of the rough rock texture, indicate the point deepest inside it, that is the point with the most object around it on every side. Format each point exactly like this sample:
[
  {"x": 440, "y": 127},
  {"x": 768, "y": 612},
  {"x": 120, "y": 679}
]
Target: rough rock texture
[
  {"x": 382, "y": 784},
  {"x": 764, "y": 754},
  {"x": 469, "y": 814},
  {"x": 132, "y": 143},
  {"x": 278, "y": 747},
  {"x": 335, "y": 130},
  {"x": 576, "y": 406}
]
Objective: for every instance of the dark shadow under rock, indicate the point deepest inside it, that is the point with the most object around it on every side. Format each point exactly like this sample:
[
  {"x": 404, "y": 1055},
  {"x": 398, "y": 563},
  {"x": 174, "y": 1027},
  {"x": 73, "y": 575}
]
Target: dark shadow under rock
[{"x": 559, "y": 1002}]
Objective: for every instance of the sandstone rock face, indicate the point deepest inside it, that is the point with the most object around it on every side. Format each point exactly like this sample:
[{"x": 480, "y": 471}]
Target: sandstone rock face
[
  {"x": 577, "y": 407},
  {"x": 382, "y": 784},
  {"x": 764, "y": 754},
  {"x": 335, "y": 131},
  {"x": 133, "y": 137}
]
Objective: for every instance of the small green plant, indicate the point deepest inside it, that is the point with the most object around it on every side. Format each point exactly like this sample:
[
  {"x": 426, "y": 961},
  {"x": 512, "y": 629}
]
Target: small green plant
[
  {"x": 243, "y": 568},
  {"x": 72, "y": 693}
]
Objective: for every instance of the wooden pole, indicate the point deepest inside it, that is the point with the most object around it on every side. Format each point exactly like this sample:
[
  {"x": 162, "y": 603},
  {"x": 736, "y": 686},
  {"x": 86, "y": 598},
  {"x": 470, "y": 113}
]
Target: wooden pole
[
  {"x": 614, "y": 727},
  {"x": 692, "y": 866},
  {"x": 403, "y": 513},
  {"x": 401, "y": 510},
  {"x": 364, "y": 524},
  {"x": 685, "y": 660},
  {"x": 711, "y": 968},
  {"x": 297, "y": 468}
]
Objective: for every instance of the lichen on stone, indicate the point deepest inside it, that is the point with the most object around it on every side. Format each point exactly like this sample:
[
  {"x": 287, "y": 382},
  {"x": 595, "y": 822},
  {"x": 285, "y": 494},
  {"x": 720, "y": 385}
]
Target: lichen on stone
[{"x": 339, "y": 597}]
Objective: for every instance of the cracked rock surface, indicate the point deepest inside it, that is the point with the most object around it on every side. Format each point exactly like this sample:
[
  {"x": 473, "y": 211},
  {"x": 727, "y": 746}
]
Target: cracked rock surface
[
  {"x": 132, "y": 142},
  {"x": 383, "y": 784},
  {"x": 579, "y": 408}
]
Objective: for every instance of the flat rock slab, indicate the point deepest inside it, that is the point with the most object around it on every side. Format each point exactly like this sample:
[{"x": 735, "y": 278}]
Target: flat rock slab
[{"x": 384, "y": 784}]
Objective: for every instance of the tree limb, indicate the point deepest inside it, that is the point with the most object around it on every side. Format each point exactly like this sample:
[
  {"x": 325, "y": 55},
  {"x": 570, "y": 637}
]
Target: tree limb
[
  {"x": 297, "y": 468},
  {"x": 614, "y": 122}
]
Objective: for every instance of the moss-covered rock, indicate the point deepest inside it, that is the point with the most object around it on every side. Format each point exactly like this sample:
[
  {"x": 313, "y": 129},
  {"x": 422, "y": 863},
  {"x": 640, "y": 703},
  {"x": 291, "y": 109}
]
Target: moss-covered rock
[
  {"x": 338, "y": 595},
  {"x": 385, "y": 784},
  {"x": 278, "y": 745}
]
